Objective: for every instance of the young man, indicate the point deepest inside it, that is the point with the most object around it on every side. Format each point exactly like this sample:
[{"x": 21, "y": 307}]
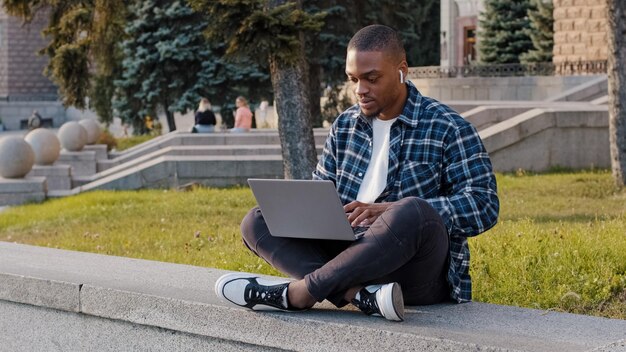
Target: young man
[{"x": 406, "y": 165}]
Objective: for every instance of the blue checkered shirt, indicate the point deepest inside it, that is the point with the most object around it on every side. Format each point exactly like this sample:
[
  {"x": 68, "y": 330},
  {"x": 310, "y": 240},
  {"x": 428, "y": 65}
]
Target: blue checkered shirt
[{"x": 434, "y": 154}]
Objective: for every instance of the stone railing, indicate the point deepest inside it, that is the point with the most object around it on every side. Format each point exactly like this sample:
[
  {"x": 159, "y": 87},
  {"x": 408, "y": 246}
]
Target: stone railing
[{"x": 511, "y": 70}]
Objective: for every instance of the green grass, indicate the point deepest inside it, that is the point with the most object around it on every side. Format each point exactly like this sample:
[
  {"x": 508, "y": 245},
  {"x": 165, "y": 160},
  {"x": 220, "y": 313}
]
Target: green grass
[
  {"x": 560, "y": 243},
  {"x": 124, "y": 143}
]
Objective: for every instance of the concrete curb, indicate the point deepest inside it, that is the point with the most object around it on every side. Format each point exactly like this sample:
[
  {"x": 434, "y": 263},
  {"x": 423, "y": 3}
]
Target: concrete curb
[{"x": 180, "y": 298}]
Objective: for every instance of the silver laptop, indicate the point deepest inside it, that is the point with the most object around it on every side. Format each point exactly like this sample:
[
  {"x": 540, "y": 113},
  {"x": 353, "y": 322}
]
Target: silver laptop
[{"x": 303, "y": 209}]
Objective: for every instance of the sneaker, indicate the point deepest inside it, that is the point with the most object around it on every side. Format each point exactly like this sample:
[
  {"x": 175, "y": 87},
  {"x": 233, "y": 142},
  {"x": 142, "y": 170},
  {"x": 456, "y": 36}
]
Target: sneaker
[
  {"x": 382, "y": 300},
  {"x": 254, "y": 292}
]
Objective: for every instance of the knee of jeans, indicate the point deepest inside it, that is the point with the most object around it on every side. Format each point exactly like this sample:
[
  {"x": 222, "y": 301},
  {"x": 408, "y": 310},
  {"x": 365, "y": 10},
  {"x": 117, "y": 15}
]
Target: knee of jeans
[
  {"x": 423, "y": 210},
  {"x": 414, "y": 213},
  {"x": 252, "y": 226}
]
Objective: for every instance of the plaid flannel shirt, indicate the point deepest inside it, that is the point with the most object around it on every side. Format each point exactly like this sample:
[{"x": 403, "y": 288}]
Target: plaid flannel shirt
[{"x": 434, "y": 154}]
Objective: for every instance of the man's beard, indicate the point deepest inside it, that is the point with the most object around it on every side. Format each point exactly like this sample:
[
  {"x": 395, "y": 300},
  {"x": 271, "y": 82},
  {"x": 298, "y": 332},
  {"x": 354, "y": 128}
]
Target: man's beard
[{"x": 371, "y": 115}]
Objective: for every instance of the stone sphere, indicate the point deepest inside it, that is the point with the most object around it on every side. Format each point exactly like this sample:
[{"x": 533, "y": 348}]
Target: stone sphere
[
  {"x": 45, "y": 144},
  {"x": 16, "y": 157},
  {"x": 93, "y": 130},
  {"x": 73, "y": 136}
]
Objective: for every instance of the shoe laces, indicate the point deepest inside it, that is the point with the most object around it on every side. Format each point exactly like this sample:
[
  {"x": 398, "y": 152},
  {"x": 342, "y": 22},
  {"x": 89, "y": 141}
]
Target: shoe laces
[
  {"x": 269, "y": 295},
  {"x": 367, "y": 302}
]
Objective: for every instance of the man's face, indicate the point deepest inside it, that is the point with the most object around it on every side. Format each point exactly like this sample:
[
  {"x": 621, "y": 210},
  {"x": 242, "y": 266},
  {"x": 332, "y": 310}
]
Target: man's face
[{"x": 376, "y": 79}]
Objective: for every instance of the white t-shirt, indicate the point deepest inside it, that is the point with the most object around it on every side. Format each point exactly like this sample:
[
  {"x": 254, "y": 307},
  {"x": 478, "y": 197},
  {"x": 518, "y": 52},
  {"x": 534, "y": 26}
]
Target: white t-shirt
[{"x": 375, "y": 178}]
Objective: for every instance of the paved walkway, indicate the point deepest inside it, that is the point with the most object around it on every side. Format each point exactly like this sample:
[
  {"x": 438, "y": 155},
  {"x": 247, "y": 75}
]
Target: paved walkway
[{"x": 180, "y": 299}]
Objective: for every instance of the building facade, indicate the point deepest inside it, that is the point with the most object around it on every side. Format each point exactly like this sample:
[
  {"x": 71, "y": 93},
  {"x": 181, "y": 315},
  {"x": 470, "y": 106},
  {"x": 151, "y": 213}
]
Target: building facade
[
  {"x": 580, "y": 31},
  {"x": 23, "y": 85},
  {"x": 458, "y": 31},
  {"x": 21, "y": 68}
]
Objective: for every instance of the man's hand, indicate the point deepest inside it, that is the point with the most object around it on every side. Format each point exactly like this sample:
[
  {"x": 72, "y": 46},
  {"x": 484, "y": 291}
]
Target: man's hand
[{"x": 364, "y": 214}]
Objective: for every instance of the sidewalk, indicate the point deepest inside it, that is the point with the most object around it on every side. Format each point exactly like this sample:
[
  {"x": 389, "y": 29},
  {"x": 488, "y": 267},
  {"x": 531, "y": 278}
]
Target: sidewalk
[{"x": 180, "y": 299}]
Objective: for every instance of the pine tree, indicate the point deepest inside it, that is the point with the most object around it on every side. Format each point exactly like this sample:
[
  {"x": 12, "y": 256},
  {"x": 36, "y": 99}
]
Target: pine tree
[
  {"x": 163, "y": 54},
  {"x": 541, "y": 33},
  {"x": 169, "y": 65},
  {"x": 504, "y": 31}
]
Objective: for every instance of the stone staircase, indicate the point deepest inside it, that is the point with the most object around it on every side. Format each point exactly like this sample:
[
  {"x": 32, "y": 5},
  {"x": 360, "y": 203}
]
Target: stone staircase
[{"x": 568, "y": 130}]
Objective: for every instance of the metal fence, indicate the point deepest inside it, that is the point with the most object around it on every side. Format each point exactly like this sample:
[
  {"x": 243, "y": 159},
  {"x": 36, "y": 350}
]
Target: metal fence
[{"x": 512, "y": 70}]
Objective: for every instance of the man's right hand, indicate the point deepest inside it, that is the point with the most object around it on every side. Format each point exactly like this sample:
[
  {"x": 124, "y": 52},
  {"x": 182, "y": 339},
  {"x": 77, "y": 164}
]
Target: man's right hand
[{"x": 364, "y": 214}]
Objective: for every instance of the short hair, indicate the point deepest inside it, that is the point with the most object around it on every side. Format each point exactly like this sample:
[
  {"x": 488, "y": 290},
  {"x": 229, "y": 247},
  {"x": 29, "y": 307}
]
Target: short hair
[{"x": 378, "y": 37}]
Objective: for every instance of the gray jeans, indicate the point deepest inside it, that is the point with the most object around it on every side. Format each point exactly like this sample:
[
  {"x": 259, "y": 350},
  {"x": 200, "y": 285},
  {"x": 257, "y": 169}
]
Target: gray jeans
[{"x": 407, "y": 244}]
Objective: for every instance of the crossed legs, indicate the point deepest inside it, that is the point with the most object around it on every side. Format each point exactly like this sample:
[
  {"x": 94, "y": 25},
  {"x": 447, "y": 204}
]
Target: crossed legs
[{"x": 407, "y": 244}]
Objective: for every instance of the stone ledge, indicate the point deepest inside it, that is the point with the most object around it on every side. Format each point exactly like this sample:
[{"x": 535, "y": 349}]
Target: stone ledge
[{"x": 180, "y": 298}]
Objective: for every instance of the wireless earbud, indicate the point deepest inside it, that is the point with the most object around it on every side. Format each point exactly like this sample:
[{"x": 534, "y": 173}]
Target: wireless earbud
[{"x": 401, "y": 76}]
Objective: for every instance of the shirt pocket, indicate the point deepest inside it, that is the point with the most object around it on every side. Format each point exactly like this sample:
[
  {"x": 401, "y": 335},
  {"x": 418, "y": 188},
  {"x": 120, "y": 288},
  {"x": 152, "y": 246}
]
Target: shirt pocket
[{"x": 420, "y": 179}]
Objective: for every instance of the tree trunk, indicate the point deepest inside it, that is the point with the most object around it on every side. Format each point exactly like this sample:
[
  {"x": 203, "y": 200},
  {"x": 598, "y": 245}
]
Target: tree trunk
[
  {"x": 294, "y": 114},
  {"x": 617, "y": 88},
  {"x": 294, "y": 121},
  {"x": 315, "y": 95},
  {"x": 171, "y": 122}
]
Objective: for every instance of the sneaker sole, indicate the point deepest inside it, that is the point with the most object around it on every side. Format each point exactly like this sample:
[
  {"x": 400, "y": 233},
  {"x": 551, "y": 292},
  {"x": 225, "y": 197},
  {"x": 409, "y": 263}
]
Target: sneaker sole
[
  {"x": 226, "y": 278},
  {"x": 393, "y": 309}
]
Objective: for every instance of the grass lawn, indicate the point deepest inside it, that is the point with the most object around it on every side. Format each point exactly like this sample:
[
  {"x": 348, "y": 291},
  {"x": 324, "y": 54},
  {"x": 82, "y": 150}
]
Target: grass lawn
[{"x": 560, "y": 243}]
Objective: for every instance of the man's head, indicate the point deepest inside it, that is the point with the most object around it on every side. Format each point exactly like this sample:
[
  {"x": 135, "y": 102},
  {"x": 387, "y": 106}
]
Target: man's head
[{"x": 376, "y": 64}]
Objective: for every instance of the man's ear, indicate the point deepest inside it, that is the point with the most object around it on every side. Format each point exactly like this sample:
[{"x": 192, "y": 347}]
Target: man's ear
[{"x": 404, "y": 69}]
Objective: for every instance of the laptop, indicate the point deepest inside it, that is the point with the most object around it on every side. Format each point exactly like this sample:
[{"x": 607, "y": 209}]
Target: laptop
[{"x": 303, "y": 209}]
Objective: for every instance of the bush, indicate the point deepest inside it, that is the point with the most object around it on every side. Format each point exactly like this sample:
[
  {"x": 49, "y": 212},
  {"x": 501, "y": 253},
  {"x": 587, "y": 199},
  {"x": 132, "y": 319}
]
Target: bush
[{"x": 107, "y": 138}]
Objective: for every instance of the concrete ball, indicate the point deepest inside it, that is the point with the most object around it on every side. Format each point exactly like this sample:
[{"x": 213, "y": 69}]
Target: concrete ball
[
  {"x": 93, "y": 130},
  {"x": 45, "y": 144},
  {"x": 16, "y": 157},
  {"x": 73, "y": 136}
]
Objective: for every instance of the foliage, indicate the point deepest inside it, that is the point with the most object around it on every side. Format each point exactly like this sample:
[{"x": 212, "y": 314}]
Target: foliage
[
  {"x": 504, "y": 31},
  {"x": 251, "y": 29},
  {"x": 169, "y": 65},
  {"x": 541, "y": 32},
  {"x": 107, "y": 138},
  {"x": 101, "y": 97},
  {"x": 164, "y": 51},
  {"x": 559, "y": 243}
]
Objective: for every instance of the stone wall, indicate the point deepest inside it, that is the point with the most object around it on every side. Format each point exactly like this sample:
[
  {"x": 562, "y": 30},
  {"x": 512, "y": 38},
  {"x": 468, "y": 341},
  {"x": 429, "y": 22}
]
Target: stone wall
[
  {"x": 3, "y": 55},
  {"x": 21, "y": 70},
  {"x": 580, "y": 30},
  {"x": 497, "y": 88}
]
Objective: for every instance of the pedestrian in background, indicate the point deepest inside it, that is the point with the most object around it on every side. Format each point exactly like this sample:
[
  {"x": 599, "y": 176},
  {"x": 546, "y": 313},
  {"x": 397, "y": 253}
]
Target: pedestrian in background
[
  {"x": 205, "y": 118},
  {"x": 243, "y": 116}
]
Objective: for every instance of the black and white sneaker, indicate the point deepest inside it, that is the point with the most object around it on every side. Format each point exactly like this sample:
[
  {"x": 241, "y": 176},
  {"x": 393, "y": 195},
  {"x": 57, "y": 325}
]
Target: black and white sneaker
[
  {"x": 382, "y": 300},
  {"x": 254, "y": 292}
]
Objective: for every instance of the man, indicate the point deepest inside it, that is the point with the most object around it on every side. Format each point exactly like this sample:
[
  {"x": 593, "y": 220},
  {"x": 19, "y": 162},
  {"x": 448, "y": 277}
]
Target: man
[{"x": 406, "y": 165}]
